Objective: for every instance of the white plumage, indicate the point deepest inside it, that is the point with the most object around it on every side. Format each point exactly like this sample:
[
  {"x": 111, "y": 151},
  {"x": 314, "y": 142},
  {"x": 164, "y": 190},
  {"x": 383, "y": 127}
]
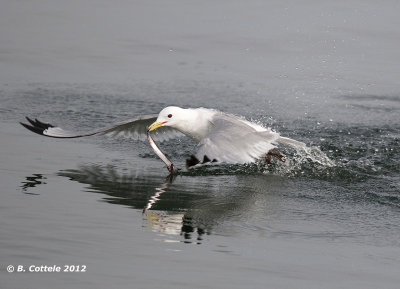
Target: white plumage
[{"x": 221, "y": 137}]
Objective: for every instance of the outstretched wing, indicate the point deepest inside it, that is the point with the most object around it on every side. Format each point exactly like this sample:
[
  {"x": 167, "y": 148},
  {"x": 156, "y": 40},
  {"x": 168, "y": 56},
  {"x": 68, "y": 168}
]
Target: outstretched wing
[
  {"x": 133, "y": 128},
  {"x": 234, "y": 141}
]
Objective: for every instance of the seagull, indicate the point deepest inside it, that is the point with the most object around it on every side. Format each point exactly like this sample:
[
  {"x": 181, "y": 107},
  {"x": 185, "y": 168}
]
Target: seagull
[{"x": 221, "y": 137}]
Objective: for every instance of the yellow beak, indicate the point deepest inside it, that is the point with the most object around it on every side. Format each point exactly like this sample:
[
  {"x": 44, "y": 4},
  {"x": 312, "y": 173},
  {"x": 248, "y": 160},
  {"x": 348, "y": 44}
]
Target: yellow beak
[{"x": 156, "y": 125}]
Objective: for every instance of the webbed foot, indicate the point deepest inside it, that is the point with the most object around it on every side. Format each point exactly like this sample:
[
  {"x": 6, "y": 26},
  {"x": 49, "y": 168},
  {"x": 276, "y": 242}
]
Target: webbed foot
[{"x": 276, "y": 154}]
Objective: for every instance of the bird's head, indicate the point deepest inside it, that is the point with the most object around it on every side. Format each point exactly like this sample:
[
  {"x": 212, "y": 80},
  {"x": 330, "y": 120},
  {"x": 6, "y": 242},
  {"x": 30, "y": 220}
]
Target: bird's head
[{"x": 170, "y": 116}]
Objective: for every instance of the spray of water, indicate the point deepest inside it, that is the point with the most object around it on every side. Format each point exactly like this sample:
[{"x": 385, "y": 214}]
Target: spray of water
[{"x": 300, "y": 159}]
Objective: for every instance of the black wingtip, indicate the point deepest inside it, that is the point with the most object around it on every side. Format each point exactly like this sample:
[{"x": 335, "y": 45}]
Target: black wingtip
[
  {"x": 33, "y": 128},
  {"x": 39, "y": 124},
  {"x": 30, "y": 121},
  {"x": 36, "y": 125}
]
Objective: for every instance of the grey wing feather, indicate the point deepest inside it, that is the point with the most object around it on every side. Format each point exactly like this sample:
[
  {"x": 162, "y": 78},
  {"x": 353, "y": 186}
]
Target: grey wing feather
[
  {"x": 133, "y": 128},
  {"x": 233, "y": 141}
]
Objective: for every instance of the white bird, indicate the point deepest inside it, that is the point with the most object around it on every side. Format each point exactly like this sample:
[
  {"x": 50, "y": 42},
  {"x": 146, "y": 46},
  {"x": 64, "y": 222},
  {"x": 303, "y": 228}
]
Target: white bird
[{"x": 221, "y": 137}]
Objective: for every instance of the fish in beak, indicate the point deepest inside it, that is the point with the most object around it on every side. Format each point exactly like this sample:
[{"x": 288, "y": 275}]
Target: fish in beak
[{"x": 156, "y": 125}]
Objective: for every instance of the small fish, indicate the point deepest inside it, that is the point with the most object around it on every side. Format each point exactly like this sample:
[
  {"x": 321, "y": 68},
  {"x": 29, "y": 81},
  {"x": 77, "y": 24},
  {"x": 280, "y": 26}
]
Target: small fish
[{"x": 160, "y": 154}]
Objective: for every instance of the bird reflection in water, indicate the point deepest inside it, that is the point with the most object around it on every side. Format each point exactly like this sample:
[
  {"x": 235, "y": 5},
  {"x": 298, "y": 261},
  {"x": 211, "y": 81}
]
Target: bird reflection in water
[
  {"x": 175, "y": 224},
  {"x": 190, "y": 206},
  {"x": 158, "y": 191},
  {"x": 165, "y": 210},
  {"x": 167, "y": 223},
  {"x": 159, "y": 221},
  {"x": 31, "y": 182}
]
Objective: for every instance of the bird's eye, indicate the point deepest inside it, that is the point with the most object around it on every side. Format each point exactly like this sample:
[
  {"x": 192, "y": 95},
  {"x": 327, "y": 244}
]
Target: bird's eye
[{"x": 170, "y": 115}]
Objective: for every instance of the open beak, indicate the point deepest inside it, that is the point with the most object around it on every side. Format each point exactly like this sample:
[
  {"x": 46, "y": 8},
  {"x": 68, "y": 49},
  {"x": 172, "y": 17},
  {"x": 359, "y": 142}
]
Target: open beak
[{"x": 156, "y": 125}]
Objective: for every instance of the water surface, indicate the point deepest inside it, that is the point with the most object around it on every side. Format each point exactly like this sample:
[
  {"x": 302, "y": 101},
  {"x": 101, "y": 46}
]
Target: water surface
[{"x": 325, "y": 74}]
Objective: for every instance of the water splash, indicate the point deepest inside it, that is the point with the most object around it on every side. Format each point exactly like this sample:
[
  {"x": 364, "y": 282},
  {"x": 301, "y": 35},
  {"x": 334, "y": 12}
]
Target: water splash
[{"x": 299, "y": 159}]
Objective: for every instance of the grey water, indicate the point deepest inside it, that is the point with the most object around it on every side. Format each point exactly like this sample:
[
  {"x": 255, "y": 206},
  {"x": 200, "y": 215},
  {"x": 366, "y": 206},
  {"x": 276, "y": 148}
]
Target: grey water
[{"x": 324, "y": 73}]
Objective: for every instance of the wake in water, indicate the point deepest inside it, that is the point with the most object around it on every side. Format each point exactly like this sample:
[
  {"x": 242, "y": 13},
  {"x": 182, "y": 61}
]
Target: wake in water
[
  {"x": 299, "y": 155},
  {"x": 364, "y": 164}
]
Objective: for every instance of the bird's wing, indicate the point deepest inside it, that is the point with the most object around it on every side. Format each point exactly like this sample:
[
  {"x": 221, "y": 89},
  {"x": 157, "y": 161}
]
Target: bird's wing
[
  {"x": 232, "y": 140},
  {"x": 133, "y": 128}
]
